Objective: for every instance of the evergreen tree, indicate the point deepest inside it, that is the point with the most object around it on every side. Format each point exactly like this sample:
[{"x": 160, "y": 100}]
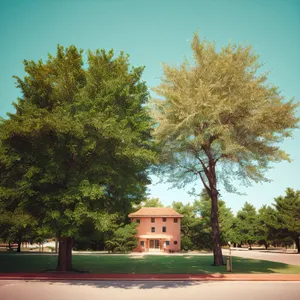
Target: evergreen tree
[
  {"x": 288, "y": 216},
  {"x": 266, "y": 226},
  {"x": 246, "y": 225}
]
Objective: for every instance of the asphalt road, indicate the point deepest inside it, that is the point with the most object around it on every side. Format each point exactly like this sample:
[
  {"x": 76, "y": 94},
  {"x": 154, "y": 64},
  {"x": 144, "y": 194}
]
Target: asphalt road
[{"x": 125, "y": 290}]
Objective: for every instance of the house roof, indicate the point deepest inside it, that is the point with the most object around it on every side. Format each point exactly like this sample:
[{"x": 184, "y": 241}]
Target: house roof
[{"x": 156, "y": 212}]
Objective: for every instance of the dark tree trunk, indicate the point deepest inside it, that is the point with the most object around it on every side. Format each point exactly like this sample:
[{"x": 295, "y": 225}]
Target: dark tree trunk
[
  {"x": 216, "y": 243},
  {"x": 56, "y": 244},
  {"x": 211, "y": 188},
  {"x": 65, "y": 254},
  {"x": 19, "y": 246},
  {"x": 297, "y": 240}
]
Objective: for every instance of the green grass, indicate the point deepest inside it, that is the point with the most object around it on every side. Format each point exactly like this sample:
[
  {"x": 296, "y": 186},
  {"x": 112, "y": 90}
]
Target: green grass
[{"x": 151, "y": 264}]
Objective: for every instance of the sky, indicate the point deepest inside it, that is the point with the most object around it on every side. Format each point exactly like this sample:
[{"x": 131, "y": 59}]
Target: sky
[{"x": 152, "y": 32}]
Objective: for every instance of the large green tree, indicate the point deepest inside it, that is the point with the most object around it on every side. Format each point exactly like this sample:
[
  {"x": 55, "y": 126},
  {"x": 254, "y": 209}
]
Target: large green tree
[
  {"x": 219, "y": 120},
  {"x": 288, "y": 216},
  {"x": 79, "y": 143}
]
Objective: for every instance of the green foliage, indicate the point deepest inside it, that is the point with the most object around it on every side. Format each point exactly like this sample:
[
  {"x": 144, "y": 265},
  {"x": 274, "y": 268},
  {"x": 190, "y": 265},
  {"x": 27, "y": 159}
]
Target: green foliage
[
  {"x": 220, "y": 116},
  {"x": 149, "y": 202},
  {"x": 226, "y": 219},
  {"x": 124, "y": 239},
  {"x": 17, "y": 226},
  {"x": 266, "y": 231},
  {"x": 196, "y": 223},
  {"x": 288, "y": 216},
  {"x": 79, "y": 143},
  {"x": 246, "y": 224},
  {"x": 191, "y": 235}
]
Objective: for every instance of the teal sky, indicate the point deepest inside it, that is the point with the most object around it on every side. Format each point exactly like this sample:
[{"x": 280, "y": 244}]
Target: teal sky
[{"x": 152, "y": 32}]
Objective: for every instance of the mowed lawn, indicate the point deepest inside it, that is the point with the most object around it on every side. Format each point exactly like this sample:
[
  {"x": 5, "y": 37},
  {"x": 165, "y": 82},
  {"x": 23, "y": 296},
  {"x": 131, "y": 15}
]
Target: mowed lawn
[{"x": 151, "y": 264}]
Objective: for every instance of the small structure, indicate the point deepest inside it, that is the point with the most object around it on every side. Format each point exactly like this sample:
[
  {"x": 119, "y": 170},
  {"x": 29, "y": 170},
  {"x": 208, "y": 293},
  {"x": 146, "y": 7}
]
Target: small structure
[{"x": 158, "y": 230}]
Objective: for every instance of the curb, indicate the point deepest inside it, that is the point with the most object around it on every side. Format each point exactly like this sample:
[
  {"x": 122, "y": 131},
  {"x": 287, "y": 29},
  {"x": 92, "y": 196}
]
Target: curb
[{"x": 150, "y": 277}]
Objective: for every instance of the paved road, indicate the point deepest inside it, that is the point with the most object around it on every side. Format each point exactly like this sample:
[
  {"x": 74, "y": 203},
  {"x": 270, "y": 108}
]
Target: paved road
[
  {"x": 108, "y": 290},
  {"x": 287, "y": 258}
]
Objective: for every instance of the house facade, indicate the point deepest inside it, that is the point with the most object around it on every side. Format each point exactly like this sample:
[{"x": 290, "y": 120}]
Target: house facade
[{"x": 158, "y": 229}]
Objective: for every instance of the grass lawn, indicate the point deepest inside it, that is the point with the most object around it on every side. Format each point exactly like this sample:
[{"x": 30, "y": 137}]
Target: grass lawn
[{"x": 186, "y": 264}]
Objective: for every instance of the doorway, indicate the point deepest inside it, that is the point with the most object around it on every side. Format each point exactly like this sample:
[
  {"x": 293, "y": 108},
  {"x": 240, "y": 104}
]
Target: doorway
[{"x": 154, "y": 244}]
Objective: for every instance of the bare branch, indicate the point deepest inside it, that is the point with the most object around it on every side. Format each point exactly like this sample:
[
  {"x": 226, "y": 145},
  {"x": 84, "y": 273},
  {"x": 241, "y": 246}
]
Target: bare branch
[{"x": 204, "y": 183}]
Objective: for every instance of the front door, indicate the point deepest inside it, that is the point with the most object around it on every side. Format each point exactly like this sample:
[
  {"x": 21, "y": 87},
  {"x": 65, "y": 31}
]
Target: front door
[{"x": 154, "y": 244}]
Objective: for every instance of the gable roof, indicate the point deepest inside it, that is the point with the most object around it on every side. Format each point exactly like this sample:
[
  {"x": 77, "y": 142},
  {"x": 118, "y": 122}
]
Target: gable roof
[{"x": 156, "y": 212}]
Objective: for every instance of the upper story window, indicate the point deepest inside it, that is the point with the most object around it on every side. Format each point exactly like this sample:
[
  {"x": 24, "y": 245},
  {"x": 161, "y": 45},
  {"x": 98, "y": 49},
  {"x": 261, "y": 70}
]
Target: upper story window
[
  {"x": 152, "y": 220},
  {"x": 175, "y": 220},
  {"x": 164, "y": 219},
  {"x": 138, "y": 221},
  {"x": 152, "y": 229},
  {"x": 164, "y": 229}
]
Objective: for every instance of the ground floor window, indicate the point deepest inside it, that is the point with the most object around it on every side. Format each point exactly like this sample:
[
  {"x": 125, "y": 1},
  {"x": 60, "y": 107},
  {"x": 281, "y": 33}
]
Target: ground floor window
[
  {"x": 142, "y": 243},
  {"x": 167, "y": 243},
  {"x": 175, "y": 242}
]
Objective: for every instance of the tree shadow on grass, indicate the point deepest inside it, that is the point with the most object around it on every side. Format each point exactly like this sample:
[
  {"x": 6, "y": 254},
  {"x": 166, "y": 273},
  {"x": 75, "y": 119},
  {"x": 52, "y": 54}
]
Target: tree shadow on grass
[{"x": 255, "y": 266}]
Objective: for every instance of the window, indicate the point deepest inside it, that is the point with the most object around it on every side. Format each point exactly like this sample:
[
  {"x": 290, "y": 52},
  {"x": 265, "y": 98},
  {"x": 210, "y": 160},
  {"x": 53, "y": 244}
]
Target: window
[
  {"x": 142, "y": 243},
  {"x": 175, "y": 220},
  {"x": 138, "y": 221},
  {"x": 152, "y": 229},
  {"x": 164, "y": 229},
  {"x": 164, "y": 219},
  {"x": 152, "y": 220},
  {"x": 167, "y": 243},
  {"x": 175, "y": 242}
]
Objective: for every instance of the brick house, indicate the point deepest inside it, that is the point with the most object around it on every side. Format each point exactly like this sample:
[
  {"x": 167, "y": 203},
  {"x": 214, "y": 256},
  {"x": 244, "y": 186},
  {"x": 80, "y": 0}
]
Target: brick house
[{"x": 158, "y": 230}]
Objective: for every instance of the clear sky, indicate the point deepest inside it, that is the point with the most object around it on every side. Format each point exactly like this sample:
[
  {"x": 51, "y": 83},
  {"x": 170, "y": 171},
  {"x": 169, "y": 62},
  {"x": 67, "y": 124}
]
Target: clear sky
[{"x": 158, "y": 31}]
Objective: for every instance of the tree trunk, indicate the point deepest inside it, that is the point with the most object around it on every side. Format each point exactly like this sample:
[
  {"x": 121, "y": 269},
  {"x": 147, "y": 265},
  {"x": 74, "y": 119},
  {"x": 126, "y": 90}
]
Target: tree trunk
[
  {"x": 65, "y": 254},
  {"x": 297, "y": 240},
  {"x": 19, "y": 246},
  {"x": 56, "y": 244},
  {"x": 216, "y": 243}
]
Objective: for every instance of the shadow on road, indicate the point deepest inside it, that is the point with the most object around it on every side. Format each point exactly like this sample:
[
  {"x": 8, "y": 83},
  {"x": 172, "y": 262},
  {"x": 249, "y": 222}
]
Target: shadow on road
[{"x": 125, "y": 284}]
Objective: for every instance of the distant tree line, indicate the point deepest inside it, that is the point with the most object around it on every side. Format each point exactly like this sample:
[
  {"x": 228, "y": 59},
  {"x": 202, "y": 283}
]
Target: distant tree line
[{"x": 276, "y": 225}]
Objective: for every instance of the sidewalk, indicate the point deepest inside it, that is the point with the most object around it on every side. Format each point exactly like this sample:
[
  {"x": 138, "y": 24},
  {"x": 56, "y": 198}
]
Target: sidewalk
[{"x": 149, "y": 277}]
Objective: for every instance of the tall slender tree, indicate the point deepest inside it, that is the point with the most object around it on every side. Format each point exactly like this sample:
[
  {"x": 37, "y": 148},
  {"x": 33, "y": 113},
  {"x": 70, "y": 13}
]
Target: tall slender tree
[
  {"x": 79, "y": 143},
  {"x": 220, "y": 120}
]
